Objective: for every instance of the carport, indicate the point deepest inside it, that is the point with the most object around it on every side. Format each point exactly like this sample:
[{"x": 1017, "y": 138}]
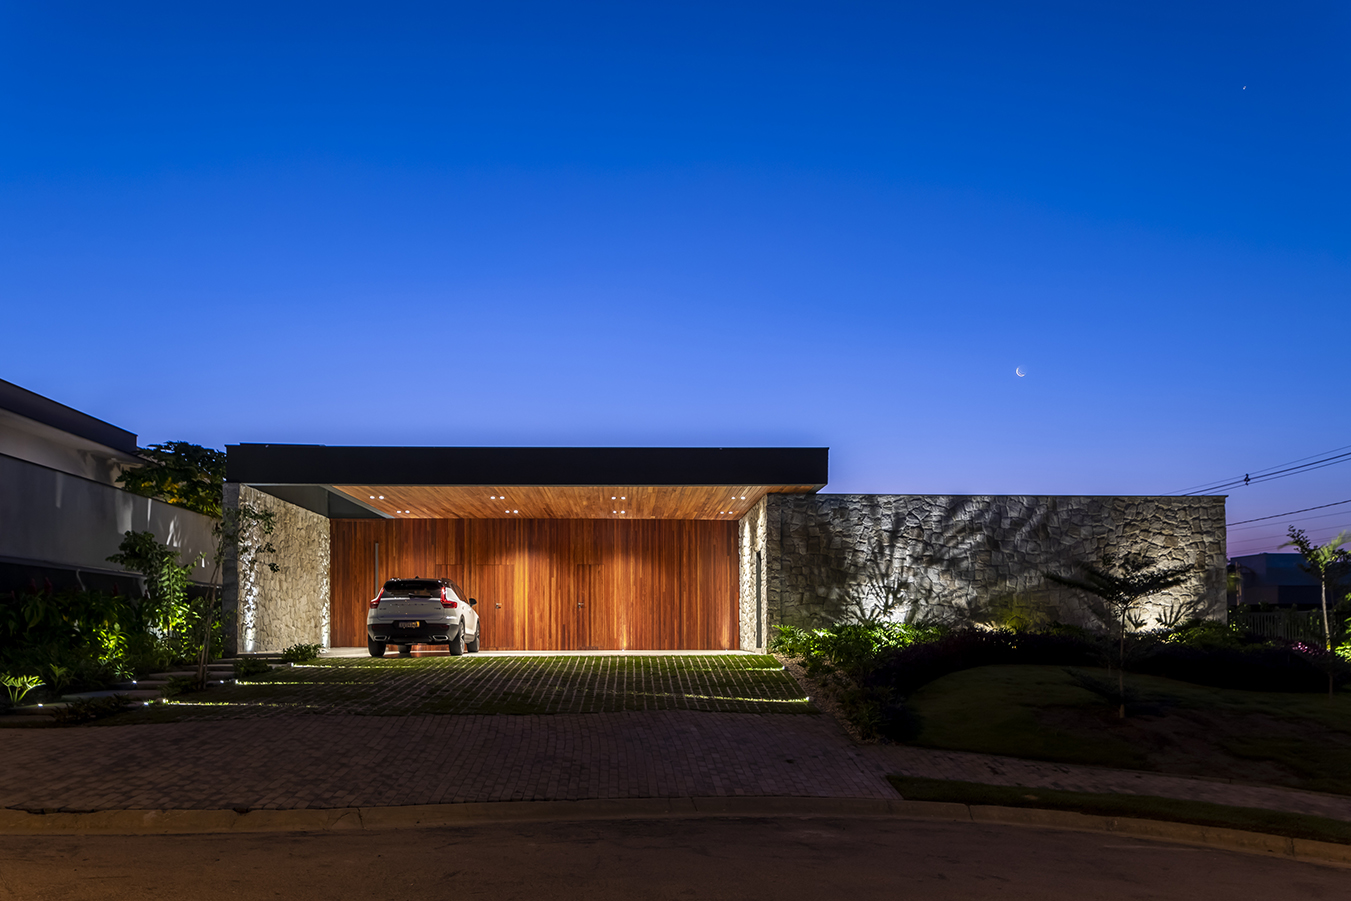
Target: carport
[{"x": 564, "y": 548}]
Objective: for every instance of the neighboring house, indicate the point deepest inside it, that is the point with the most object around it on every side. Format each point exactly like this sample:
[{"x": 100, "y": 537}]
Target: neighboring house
[
  {"x": 1277, "y": 580},
  {"x": 672, "y": 548},
  {"x": 61, "y": 512}
]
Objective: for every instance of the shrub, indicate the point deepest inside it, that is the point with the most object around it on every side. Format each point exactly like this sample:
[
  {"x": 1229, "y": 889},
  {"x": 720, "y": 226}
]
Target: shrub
[
  {"x": 251, "y": 666},
  {"x": 18, "y": 686},
  {"x": 904, "y": 670},
  {"x": 1255, "y": 668},
  {"x": 1205, "y": 635},
  {"x": 179, "y": 685},
  {"x": 849, "y": 647},
  {"x": 82, "y": 710},
  {"x": 299, "y": 653}
]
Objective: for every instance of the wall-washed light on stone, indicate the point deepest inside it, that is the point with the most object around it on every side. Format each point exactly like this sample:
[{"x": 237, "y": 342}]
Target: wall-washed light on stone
[
  {"x": 271, "y": 610},
  {"x": 835, "y": 558}
]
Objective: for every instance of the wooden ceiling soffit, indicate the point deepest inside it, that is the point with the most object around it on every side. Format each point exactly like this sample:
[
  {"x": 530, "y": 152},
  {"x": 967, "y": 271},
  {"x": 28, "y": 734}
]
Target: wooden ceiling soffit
[{"x": 688, "y": 502}]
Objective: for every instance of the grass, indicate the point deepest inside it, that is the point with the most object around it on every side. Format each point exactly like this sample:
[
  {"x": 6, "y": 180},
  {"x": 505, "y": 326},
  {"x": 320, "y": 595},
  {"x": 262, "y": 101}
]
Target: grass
[
  {"x": 1042, "y": 713},
  {"x": 1200, "y": 813},
  {"x": 495, "y": 685}
]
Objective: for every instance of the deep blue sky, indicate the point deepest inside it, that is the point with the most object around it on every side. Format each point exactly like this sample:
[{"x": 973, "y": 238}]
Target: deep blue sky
[{"x": 699, "y": 224}]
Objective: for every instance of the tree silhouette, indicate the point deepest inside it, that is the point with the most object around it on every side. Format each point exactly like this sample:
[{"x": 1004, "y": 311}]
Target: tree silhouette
[{"x": 1121, "y": 585}]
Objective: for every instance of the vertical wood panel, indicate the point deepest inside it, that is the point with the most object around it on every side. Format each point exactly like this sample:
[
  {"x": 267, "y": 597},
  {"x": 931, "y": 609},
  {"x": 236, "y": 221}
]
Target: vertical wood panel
[{"x": 646, "y": 584}]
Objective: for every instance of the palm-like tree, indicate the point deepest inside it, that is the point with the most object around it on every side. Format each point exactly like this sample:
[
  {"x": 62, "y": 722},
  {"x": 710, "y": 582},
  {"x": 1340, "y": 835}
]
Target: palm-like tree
[{"x": 1122, "y": 584}]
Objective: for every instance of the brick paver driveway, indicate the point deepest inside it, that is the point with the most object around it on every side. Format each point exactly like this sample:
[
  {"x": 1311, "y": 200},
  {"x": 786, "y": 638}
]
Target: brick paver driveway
[
  {"x": 359, "y": 732},
  {"x": 483, "y": 684},
  {"x": 516, "y": 730}
]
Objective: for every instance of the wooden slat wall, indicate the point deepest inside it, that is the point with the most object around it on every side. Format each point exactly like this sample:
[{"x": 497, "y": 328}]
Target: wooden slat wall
[{"x": 641, "y": 585}]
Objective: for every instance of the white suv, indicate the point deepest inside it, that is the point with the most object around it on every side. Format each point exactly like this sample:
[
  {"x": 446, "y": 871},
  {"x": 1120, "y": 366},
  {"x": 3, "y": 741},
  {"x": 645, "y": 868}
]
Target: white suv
[{"x": 422, "y": 611}]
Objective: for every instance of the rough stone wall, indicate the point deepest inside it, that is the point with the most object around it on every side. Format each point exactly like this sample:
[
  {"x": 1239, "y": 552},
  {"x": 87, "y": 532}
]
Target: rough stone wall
[
  {"x": 275, "y": 610},
  {"x": 751, "y": 531},
  {"x": 973, "y": 558}
]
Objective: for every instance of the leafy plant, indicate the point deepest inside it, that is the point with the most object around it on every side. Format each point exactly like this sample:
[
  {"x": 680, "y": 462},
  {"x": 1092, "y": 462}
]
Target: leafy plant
[
  {"x": 242, "y": 532},
  {"x": 178, "y": 685},
  {"x": 167, "y": 610},
  {"x": 850, "y": 647},
  {"x": 82, "y": 710},
  {"x": 299, "y": 653},
  {"x": 182, "y": 474},
  {"x": 251, "y": 666},
  {"x": 1121, "y": 585},
  {"x": 1327, "y": 563},
  {"x": 59, "y": 677},
  {"x": 18, "y": 686}
]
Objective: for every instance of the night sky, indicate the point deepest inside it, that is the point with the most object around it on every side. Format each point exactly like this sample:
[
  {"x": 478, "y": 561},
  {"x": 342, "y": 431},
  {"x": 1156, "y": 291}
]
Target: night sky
[{"x": 723, "y": 224}]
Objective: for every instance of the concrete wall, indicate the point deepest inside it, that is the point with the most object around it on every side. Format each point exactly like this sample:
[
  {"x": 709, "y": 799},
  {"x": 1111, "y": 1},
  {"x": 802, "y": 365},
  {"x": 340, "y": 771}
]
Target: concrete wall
[
  {"x": 58, "y": 519},
  {"x": 271, "y": 611},
  {"x": 976, "y": 558}
]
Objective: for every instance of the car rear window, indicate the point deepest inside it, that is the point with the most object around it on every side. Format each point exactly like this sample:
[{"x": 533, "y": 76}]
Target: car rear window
[{"x": 414, "y": 588}]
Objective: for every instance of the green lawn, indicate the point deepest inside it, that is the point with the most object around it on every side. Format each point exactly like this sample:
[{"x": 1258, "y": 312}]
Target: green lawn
[
  {"x": 1040, "y": 712},
  {"x": 1146, "y": 807},
  {"x": 502, "y": 685}
]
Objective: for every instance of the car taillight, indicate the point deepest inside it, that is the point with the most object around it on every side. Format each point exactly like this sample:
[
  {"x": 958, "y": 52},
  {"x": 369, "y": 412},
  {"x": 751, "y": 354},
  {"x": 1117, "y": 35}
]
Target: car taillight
[
  {"x": 376, "y": 602},
  {"x": 445, "y": 601}
]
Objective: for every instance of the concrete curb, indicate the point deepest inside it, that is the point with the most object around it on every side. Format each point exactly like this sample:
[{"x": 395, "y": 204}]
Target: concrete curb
[{"x": 189, "y": 822}]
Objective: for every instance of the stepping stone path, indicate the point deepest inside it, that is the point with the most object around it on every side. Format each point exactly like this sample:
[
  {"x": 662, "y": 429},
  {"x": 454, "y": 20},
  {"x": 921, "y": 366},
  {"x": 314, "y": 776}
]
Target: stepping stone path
[{"x": 143, "y": 690}]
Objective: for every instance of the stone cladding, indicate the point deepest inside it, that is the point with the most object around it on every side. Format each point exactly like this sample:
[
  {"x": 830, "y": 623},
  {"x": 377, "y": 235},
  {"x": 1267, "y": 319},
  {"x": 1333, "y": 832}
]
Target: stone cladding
[
  {"x": 751, "y": 534},
  {"x": 275, "y": 610},
  {"x": 978, "y": 558}
]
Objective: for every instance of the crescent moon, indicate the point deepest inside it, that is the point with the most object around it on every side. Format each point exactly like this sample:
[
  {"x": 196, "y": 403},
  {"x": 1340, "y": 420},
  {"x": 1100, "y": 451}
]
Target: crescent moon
[{"x": 1020, "y": 372}]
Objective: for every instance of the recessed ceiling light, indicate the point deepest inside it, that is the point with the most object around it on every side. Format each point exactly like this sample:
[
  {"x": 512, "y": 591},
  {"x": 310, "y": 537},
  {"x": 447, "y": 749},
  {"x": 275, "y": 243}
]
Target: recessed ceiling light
[
  {"x": 622, "y": 498},
  {"x": 613, "y": 498},
  {"x": 515, "y": 511},
  {"x": 382, "y": 497},
  {"x": 372, "y": 497}
]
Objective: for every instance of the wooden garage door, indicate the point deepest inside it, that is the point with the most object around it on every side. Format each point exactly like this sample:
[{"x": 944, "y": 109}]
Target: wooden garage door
[{"x": 553, "y": 584}]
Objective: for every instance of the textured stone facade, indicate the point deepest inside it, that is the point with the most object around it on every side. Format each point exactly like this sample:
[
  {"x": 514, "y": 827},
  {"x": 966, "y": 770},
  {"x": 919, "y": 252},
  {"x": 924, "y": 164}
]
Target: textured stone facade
[
  {"x": 958, "y": 559},
  {"x": 754, "y": 618},
  {"x": 274, "y": 610}
]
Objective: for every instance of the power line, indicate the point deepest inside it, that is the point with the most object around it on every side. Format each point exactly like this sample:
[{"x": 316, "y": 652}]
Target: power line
[
  {"x": 1280, "y": 470},
  {"x": 1288, "y": 513},
  {"x": 1272, "y": 476},
  {"x": 1263, "y": 541},
  {"x": 1267, "y": 525}
]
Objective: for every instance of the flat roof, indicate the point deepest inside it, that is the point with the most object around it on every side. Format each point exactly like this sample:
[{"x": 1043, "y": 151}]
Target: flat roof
[
  {"x": 526, "y": 482},
  {"x": 41, "y": 409},
  {"x": 316, "y": 464}
]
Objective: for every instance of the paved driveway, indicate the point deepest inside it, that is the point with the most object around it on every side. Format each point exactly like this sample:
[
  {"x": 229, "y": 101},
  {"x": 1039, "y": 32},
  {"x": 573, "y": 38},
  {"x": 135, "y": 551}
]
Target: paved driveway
[
  {"x": 500, "y": 684},
  {"x": 663, "y": 729}
]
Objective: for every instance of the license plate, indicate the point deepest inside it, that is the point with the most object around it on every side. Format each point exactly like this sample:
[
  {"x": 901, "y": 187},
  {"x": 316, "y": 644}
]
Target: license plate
[{"x": 411, "y": 624}]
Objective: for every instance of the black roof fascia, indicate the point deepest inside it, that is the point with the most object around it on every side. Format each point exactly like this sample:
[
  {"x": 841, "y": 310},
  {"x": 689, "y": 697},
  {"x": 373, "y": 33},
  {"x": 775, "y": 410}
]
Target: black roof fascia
[
  {"x": 50, "y": 413},
  {"x": 311, "y": 464}
]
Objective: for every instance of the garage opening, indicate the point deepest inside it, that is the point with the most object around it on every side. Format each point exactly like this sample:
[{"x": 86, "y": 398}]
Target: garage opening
[{"x": 568, "y": 560}]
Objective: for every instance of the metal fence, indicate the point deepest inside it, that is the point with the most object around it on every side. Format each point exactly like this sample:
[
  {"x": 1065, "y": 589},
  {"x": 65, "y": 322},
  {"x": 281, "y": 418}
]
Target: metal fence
[{"x": 1290, "y": 625}]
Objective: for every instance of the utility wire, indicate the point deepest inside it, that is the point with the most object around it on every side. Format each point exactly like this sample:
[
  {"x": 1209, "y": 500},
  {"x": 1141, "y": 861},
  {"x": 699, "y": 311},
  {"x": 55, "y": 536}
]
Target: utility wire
[
  {"x": 1270, "y": 525},
  {"x": 1289, "y": 513},
  {"x": 1280, "y": 470},
  {"x": 1255, "y": 541}
]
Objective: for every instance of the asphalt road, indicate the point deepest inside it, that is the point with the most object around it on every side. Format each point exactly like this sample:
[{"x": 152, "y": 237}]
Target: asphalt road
[{"x": 785, "y": 859}]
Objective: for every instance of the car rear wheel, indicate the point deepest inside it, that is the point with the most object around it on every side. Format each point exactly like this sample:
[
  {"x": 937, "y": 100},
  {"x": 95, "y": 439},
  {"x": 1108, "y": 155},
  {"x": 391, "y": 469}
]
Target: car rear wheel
[
  {"x": 377, "y": 648},
  {"x": 472, "y": 646},
  {"x": 456, "y": 646}
]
